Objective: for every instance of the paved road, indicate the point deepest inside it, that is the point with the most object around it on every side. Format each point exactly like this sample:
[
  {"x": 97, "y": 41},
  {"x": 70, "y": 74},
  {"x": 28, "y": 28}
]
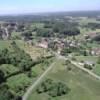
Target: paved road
[
  {"x": 26, "y": 95},
  {"x": 80, "y": 67}
]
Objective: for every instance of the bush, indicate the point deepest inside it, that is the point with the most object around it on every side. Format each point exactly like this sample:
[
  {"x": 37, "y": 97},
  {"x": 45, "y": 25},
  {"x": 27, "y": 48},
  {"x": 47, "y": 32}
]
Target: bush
[
  {"x": 88, "y": 66},
  {"x": 69, "y": 68},
  {"x": 58, "y": 89},
  {"x": 6, "y": 93},
  {"x": 44, "y": 33},
  {"x": 74, "y": 59},
  {"x": 68, "y": 62},
  {"x": 2, "y": 76},
  {"x": 53, "y": 89}
]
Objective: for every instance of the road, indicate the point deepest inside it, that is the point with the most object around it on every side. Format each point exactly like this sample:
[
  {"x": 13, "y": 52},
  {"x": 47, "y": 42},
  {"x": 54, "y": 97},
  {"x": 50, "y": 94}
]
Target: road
[
  {"x": 86, "y": 70},
  {"x": 28, "y": 92},
  {"x": 80, "y": 67}
]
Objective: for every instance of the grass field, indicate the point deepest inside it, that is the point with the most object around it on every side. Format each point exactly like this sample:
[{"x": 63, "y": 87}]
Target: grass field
[
  {"x": 5, "y": 44},
  {"x": 87, "y": 58},
  {"x": 83, "y": 86},
  {"x": 85, "y": 21},
  {"x": 16, "y": 34},
  {"x": 94, "y": 59},
  {"x": 93, "y": 45},
  {"x": 96, "y": 70},
  {"x": 38, "y": 69},
  {"x": 33, "y": 51},
  {"x": 18, "y": 83},
  {"x": 37, "y": 25},
  {"x": 87, "y": 31},
  {"x": 8, "y": 69}
]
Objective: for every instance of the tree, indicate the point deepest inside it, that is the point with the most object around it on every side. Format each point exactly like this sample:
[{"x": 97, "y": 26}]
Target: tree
[
  {"x": 53, "y": 46},
  {"x": 40, "y": 89},
  {"x": 66, "y": 29},
  {"x": 69, "y": 68},
  {"x": 97, "y": 38},
  {"x": 44, "y": 33},
  {"x": 1, "y": 33},
  {"x": 88, "y": 66},
  {"x": 65, "y": 51},
  {"x": 20, "y": 27},
  {"x": 17, "y": 58},
  {"x": 53, "y": 89},
  {"x": 71, "y": 32},
  {"x": 27, "y": 34},
  {"x": 68, "y": 62},
  {"x": 18, "y": 98},
  {"x": 6, "y": 93},
  {"x": 58, "y": 89},
  {"x": 2, "y": 76}
]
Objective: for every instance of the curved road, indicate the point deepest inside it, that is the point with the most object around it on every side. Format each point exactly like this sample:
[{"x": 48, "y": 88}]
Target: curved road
[{"x": 28, "y": 92}]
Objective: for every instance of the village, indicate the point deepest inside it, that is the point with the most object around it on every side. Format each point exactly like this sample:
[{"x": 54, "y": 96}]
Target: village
[
  {"x": 29, "y": 50},
  {"x": 56, "y": 44}
]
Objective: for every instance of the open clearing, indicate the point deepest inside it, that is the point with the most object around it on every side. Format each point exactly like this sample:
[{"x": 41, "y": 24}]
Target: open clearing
[{"x": 33, "y": 51}]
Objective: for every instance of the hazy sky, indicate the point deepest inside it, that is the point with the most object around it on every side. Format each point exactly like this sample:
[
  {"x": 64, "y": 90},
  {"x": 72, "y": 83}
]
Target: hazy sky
[{"x": 29, "y": 6}]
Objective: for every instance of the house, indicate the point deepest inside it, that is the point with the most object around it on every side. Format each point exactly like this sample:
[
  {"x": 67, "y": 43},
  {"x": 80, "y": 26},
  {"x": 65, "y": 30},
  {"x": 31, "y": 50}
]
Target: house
[
  {"x": 74, "y": 44},
  {"x": 95, "y": 51},
  {"x": 60, "y": 45},
  {"x": 43, "y": 44},
  {"x": 7, "y": 29},
  {"x": 92, "y": 35},
  {"x": 5, "y": 33},
  {"x": 91, "y": 63}
]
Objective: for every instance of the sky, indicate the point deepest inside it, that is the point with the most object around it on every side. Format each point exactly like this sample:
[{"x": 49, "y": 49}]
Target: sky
[{"x": 36, "y": 6}]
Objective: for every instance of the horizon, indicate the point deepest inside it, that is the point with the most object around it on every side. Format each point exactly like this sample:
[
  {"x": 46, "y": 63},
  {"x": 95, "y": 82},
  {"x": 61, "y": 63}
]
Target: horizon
[
  {"x": 20, "y": 7},
  {"x": 41, "y": 13}
]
